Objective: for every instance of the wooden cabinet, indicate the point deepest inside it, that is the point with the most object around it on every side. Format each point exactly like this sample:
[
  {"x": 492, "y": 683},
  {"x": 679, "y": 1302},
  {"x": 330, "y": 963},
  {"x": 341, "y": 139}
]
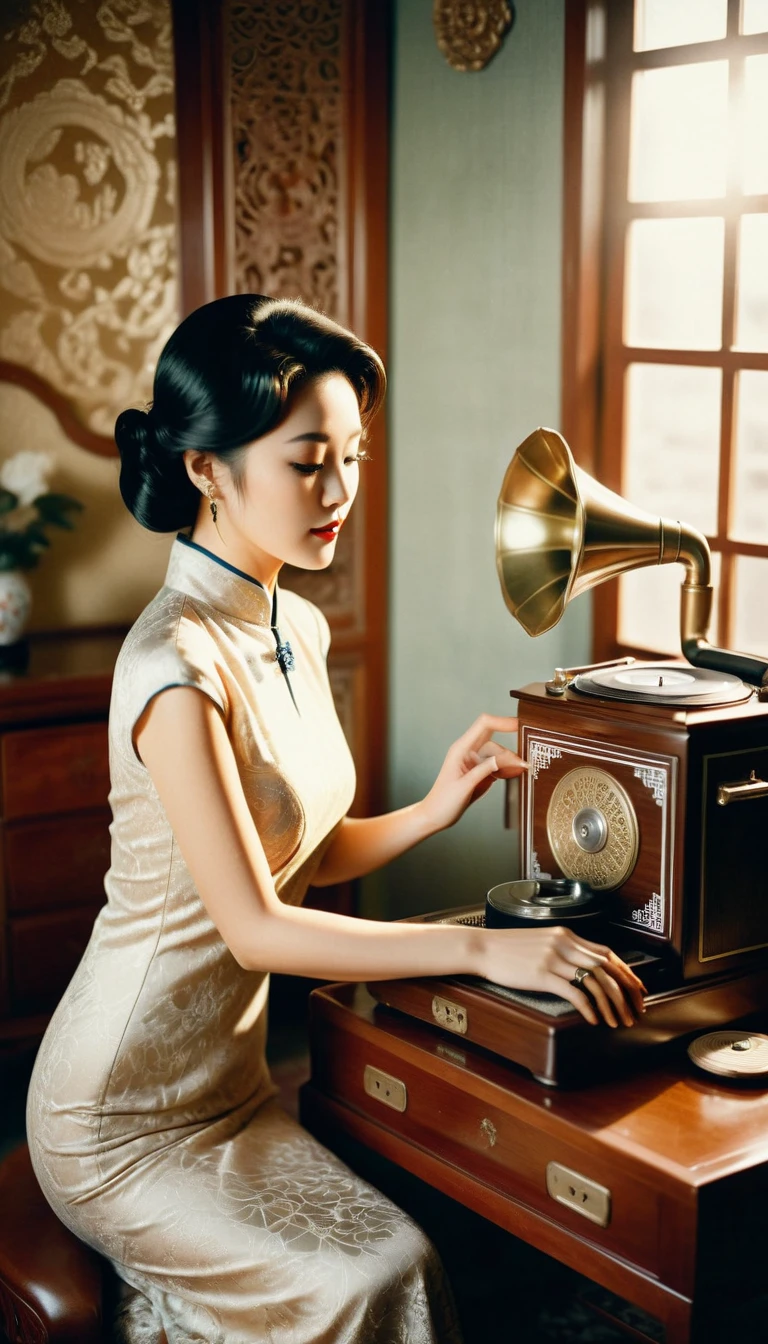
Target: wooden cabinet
[
  {"x": 652, "y": 1183},
  {"x": 54, "y": 820}
]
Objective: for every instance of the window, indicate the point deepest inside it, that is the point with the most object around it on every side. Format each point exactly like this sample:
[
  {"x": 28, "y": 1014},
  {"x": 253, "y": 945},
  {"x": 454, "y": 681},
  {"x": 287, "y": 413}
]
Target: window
[{"x": 665, "y": 371}]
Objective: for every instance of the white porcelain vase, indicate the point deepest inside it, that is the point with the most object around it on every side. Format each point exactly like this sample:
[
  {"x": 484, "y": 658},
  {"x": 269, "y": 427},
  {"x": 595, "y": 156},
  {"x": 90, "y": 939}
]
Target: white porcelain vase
[{"x": 15, "y": 605}]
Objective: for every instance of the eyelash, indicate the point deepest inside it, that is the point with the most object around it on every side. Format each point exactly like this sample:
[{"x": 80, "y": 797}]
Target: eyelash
[{"x": 310, "y": 469}]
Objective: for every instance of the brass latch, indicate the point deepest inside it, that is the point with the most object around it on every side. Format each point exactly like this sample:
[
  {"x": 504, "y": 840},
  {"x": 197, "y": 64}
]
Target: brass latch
[
  {"x": 450, "y": 1015},
  {"x": 579, "y": 1193},
  {"x": 748, "y": 788},
  {"x": 386, "y": 1089}
]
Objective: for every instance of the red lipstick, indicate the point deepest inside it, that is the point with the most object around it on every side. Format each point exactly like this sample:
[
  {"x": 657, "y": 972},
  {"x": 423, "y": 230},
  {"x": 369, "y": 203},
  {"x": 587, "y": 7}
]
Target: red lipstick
[{"x": 329, "y": 532}]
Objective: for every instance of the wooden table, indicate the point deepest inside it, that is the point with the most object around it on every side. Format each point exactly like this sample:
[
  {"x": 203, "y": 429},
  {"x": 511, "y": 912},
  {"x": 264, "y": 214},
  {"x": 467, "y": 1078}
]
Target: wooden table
[{"x": 683, "y": 1158}]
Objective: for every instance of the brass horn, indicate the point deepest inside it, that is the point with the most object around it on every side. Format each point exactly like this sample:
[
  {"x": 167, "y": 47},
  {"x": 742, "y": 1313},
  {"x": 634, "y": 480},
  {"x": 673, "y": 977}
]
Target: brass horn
[{"x": 559, "y": 532}]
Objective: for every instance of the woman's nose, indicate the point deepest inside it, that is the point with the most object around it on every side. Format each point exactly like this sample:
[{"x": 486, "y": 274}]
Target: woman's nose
[{"x": 336, "y": 489}]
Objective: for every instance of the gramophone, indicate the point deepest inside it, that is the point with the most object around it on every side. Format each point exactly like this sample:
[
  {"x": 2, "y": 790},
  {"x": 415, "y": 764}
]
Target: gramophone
[{"x": 646, "y": 781}]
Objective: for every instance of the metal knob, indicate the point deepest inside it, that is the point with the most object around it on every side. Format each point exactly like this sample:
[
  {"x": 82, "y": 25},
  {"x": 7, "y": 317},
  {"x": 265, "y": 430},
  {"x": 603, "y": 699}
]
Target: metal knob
[{"x": 590, "y": 829}]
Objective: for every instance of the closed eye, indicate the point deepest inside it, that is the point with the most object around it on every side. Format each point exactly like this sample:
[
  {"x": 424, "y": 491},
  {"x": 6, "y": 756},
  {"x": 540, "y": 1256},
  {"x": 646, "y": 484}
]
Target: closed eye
[{"x": 309, "y": 468}]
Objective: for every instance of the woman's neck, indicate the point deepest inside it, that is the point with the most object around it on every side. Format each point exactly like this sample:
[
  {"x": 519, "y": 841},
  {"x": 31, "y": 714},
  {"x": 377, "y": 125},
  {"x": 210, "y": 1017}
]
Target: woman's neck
[{"x": 233, "y": 551}]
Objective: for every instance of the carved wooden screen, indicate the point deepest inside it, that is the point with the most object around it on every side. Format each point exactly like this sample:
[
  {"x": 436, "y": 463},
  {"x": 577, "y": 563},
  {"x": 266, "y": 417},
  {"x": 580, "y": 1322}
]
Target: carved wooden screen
[{"x": 282, "y": 142}]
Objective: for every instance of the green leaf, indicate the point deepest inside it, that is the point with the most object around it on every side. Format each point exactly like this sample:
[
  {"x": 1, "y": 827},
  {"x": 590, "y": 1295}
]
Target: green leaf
[
  {"x": 34, "y": 533},
  {"x": 51, "y": 507},
  {"x": 15, "y": 553},
  {"x": 8, "y": 501},
  {"x": 55, "y": 510}
]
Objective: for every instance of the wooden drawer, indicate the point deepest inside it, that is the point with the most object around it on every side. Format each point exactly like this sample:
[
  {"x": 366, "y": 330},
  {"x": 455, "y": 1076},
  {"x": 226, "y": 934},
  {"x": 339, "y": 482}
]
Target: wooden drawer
[
  {"x": 43, "y": 951},
  {"x": 60, "y": 861},
  {"x": 50, "y": 770},
  {"x": 473, "y": 1128}
]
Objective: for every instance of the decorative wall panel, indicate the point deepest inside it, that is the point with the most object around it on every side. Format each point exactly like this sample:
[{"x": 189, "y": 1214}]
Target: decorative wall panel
[
  {"x": 286, "y": 118},
  {"x": 287, "y": 131},
  {"x": 87, "y": 197}
]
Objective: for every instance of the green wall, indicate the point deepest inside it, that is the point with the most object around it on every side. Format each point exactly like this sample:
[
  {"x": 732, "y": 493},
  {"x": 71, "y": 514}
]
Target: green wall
[{"x": 474, "y": 367}]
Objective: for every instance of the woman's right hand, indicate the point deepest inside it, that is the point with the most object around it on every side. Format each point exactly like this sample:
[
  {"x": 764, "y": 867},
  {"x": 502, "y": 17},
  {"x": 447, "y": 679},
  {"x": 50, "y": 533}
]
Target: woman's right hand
[{"x": 548, "y": 959}]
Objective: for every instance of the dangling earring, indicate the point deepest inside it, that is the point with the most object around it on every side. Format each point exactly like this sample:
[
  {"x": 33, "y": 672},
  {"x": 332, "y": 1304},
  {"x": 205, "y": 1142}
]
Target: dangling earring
[{"x": 214, "y": 512}]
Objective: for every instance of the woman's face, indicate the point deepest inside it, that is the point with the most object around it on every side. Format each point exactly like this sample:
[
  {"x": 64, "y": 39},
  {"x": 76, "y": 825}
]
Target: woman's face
[{"x": 296, "y": 489}]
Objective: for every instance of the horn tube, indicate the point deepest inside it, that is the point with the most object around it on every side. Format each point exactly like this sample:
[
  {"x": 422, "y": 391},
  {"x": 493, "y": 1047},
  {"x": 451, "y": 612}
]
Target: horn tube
[{"x": 559, "y": 533}]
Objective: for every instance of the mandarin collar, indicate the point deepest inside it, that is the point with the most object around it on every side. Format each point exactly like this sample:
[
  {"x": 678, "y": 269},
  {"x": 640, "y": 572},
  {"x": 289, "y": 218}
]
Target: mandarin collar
[{"x": 196, "y": 571}]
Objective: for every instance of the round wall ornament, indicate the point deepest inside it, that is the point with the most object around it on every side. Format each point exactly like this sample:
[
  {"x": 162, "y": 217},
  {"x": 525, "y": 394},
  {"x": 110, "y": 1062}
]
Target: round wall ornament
[{"x": 470, "y": 32}]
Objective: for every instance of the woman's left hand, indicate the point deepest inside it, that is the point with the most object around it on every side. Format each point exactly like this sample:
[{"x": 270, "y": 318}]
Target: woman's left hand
[{"x": 469, "y": 769}]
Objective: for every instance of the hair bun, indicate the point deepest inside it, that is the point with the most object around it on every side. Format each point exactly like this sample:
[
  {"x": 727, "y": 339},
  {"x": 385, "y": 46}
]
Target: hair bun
[
  {"x": 133, "y": 430},
  {"x": 154, "y": 486}
]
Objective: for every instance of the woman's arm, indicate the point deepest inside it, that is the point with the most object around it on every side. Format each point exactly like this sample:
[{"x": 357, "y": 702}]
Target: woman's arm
[
  {"x": 182, "y": 740},
  {"x": 470, "y": 767}
]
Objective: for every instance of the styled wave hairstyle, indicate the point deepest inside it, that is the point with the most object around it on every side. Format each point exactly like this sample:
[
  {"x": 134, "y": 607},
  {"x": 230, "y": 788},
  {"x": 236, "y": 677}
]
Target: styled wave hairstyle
[{"x": 227, "y": 376}]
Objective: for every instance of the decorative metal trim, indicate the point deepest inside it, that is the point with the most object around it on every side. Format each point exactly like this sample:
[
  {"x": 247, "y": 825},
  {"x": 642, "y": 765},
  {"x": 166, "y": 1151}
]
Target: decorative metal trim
[
  {"x": 541, "y": 756},
  {"x": 651, "y": 915},
  {"x": 653, "y": 779},
  {"x": 535, "y": 867},
  {"x": 470, "y": 32}
]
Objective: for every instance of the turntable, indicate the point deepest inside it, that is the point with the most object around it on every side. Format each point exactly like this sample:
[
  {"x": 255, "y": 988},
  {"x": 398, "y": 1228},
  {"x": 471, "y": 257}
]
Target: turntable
[{"x": 646, "y": 780}]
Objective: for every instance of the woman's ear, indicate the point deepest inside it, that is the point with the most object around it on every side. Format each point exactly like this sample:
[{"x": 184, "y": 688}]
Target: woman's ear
[{"x": 199, "y": 468}]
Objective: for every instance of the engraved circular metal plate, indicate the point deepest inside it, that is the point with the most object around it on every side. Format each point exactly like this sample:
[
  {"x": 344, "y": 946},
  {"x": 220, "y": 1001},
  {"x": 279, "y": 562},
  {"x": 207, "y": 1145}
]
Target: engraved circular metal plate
[
  {"x": 588, "y": 788},
  {"x": 590, "y": 830},
  {"x": 732, "y": 1054},
  {"x": 664, "y": 683}
]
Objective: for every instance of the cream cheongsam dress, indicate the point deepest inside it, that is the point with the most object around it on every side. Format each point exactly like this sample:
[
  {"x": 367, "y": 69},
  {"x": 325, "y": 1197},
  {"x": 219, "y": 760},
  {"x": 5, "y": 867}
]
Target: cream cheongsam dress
[{"x": 151, "y": 1118}]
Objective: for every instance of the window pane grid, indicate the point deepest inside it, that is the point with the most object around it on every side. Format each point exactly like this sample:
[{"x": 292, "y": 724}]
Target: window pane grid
[
  {"x": 732, "y": 206},
  {"x": 754, "y": 44}
]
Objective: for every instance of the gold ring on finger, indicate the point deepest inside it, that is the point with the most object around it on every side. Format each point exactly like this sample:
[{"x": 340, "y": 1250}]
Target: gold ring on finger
[{"x": 581, "y": 974}]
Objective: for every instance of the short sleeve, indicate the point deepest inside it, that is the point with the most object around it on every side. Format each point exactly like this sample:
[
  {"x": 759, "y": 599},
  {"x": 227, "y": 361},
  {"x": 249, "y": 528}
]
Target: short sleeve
[{"x": 171, "y": 648}]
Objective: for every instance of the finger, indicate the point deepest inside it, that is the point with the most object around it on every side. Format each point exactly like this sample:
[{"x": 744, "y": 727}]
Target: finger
[
  {"x": 625, "y": 973},
  {"x": 633, "y": 990},
  {"x": 598, "y": 951},
  {"x": 484, "y": 726},
  {"x": 594, "y": 988},
  {"x": 508, "y": 761},
  {"x": 485, "y": 769},
  {"x": 558, "y": 966},
  {"x": 615, "y": 993},
  {"x": 578, "y": 954},
  {"x": 553, "y": 984},
  {"x": 583, "y": 953}
]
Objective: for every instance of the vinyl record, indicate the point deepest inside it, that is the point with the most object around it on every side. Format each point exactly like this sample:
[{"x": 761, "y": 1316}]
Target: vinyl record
[
  {"x": 732, "y": 1054},
  {"x": 664, "y": 684}
]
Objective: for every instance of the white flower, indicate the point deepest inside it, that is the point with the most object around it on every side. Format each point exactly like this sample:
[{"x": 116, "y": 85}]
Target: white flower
[{"x": 26, "y": 475}]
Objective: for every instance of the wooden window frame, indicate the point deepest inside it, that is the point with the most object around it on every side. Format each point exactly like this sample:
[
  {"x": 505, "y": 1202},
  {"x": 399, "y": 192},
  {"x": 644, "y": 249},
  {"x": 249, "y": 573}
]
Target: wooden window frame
[{"x": 599, "y": 61}]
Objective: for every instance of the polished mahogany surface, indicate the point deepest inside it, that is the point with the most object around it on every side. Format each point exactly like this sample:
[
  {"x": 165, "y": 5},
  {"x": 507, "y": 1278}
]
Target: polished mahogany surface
[
  {"x": 683, "y": 1157},
  {"x": 51, "y": 1283},
  {"x": 681, "y": 1121}
]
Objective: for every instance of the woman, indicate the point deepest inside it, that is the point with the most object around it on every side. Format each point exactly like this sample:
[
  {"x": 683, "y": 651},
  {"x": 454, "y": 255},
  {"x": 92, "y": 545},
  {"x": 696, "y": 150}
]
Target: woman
[{"x": 151, "y": 1117}]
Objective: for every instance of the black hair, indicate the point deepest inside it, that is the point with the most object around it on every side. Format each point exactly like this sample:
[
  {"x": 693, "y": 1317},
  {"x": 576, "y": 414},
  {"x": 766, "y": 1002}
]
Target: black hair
[{"x": 225, "y": 377}]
